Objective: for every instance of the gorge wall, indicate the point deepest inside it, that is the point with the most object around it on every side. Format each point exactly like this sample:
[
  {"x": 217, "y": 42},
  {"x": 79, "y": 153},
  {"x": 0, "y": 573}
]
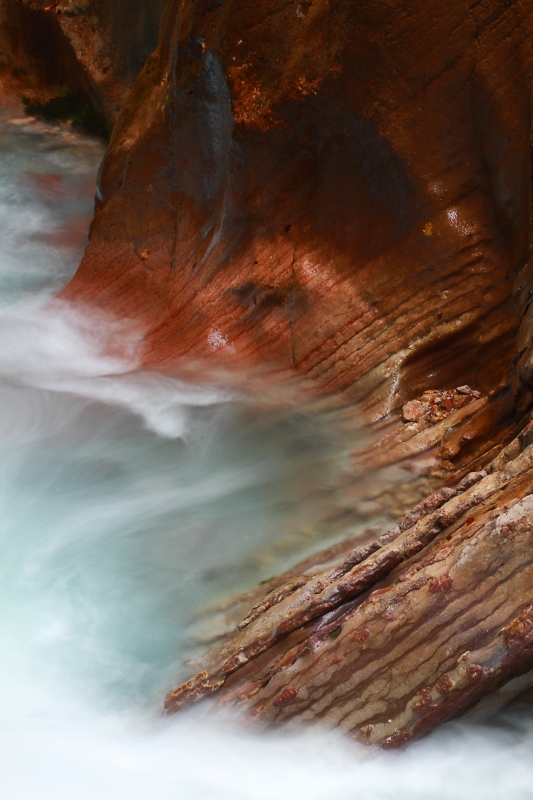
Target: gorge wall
[
  {"x": 92, "y": 49},
  {"x": 340, "y": 191}
]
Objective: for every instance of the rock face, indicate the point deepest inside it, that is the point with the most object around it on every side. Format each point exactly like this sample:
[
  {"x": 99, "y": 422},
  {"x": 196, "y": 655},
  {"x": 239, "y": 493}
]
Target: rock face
[
  {"x": 401, "y": 633},
  {"x": 342, "y": 191},
  {"x": 94, "y": 47}
]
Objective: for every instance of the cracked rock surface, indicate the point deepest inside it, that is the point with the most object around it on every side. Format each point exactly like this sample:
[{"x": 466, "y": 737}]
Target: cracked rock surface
[
  {"x": 338, "y": 193},
  {"x": 341, "y": 191},
  {"x": 401, "y": 634}
]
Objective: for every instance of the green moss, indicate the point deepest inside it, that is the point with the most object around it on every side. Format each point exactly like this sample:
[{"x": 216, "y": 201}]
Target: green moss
[
  {"x": 268, "y": 580},
  {"x": 73, "y": 107}
]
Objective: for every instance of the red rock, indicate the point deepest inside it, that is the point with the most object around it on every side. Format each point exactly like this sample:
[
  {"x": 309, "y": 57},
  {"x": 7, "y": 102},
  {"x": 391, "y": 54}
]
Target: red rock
[
  {"x": 283, "y": 198},
  {"x": 285, "y": 696},
  {"x": 414, "y": 410},
  {"x": 97, "y": 48},
  {"x": 462, "y": 400},
  {"x": 440, "y": 584},
  {"x": 342, "y": 192}
]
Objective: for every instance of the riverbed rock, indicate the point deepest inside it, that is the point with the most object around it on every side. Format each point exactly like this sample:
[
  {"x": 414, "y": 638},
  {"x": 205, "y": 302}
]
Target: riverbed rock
[
  {"x": 399, "y": 634},
  {"x": 341, "y": 193},
  {"x": 436, "y": 405}
]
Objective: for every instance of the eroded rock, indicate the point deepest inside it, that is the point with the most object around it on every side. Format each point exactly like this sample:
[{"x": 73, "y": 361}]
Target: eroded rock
[
  {"x": 75, "y": 59},
  {"x": 402, "y": 635},
  {"x": 261, "y": 202},
  {"x": 435, "y": 405},
  {"x": 341, "y": 192}
]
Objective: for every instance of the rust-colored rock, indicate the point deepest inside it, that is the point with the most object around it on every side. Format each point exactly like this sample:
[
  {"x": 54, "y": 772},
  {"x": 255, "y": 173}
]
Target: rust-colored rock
[
  {"x": 341, "y": 191},
  {"x": 437, "y": 405},
  {"x": 111, "y": 38},
  {"x": 93, "y": 48},
  {"x": 36, "y": 60}
]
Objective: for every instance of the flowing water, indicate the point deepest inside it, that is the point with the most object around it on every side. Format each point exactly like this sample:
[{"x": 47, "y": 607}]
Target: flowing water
[{"x": 130, "y": 501}]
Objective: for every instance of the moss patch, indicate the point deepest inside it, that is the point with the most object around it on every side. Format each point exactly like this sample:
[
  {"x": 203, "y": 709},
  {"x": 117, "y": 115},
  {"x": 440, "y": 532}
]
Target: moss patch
[{"x": 73, "y": 107}]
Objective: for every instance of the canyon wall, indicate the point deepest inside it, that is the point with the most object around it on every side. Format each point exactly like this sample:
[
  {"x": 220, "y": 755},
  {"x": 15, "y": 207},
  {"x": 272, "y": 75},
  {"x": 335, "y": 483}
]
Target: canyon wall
[{"x": 340, "y": 190}]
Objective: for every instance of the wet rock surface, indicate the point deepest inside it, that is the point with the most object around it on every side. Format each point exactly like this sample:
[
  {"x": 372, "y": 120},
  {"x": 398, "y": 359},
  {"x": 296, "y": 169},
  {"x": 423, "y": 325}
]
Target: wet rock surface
[
  {"x": 401, "y": 634},
  {"x": 342, "y": 192}
]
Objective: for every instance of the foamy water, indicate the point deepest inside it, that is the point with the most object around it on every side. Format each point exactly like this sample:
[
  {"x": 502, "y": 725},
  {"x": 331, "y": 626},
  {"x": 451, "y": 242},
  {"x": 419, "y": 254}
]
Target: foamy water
[{"x": 129, "y": 502}]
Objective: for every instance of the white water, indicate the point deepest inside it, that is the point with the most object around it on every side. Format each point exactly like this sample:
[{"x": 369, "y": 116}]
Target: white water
[{"x": 129, "y": 501}]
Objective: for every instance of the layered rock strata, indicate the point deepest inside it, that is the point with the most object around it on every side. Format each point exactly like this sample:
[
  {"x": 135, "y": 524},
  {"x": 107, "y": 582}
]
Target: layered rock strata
[
  {"x": 343, "y": 192},
  {"x": 398, "y": 634},
  {"x": 340, "y": 191}
]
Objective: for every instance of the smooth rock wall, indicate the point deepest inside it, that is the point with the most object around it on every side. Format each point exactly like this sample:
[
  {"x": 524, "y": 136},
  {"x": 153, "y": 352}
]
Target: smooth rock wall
[{"x": 342, "y": 191}]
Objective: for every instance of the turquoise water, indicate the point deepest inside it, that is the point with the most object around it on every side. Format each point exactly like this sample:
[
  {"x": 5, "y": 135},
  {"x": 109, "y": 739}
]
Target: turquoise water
[{"x": 129, "y": 502}]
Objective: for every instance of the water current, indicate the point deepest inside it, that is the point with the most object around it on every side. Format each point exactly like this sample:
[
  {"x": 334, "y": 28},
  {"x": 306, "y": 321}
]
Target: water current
[{"x": 128, "y": 503}]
